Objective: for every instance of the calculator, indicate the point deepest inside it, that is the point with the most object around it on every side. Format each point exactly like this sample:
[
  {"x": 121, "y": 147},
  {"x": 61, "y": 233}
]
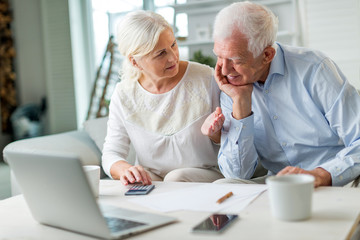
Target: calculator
[{"x": 139, "y": 190}]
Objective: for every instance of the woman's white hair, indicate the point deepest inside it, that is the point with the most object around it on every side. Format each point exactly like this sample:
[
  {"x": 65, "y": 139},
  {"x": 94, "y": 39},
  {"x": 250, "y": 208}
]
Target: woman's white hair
[
  {"x": 255, "y": 21},
  {"x": 137, "y": 35}
]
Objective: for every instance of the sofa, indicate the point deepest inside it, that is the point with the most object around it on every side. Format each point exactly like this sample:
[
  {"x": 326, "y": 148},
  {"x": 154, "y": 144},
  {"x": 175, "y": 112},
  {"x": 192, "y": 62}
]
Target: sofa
[{"x": 85, "y": 143}]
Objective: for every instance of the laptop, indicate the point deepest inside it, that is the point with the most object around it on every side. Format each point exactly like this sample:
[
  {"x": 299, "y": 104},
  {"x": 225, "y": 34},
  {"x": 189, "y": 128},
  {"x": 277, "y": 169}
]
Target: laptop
[{"x": 58, "y": 194}]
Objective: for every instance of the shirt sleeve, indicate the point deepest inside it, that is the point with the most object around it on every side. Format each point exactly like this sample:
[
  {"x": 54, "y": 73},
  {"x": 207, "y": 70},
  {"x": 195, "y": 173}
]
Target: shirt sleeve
[
  {"x": 237, "y": 156},
  {"x": 117, "y": 142},
  {"x": 341, "y": 105}
]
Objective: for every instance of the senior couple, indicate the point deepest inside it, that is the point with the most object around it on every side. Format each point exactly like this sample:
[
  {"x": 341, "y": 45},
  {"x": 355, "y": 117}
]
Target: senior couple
[{"x": 289, "y": 109}]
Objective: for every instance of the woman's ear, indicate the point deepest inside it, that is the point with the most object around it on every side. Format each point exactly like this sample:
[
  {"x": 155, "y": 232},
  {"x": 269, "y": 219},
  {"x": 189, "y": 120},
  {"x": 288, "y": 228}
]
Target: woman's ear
[
  {"x": 269, "y": 54},
  {"x": 134, "y": 62}
]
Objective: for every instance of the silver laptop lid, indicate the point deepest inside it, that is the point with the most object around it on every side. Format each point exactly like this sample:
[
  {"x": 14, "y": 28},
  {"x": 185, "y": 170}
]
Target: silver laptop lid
[{"x": 57, "y": 192}]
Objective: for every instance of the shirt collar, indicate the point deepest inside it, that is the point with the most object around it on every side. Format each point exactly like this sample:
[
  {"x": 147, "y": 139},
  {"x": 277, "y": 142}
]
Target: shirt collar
[
  {"x": 277, "y": 66},
  {"x": 278, "y": 63}
]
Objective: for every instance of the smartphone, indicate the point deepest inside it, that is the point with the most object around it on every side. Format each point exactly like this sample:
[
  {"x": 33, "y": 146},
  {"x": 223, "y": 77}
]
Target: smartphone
[{"x": 216, "y": 223}]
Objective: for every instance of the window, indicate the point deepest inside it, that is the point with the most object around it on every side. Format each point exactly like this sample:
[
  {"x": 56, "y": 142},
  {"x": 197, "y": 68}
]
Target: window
[{"x": 106, "y": 15}]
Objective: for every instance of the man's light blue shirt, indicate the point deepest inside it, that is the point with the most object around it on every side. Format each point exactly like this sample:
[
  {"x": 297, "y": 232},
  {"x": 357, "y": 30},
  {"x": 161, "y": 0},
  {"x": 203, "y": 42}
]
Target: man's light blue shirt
[{"x": 306, "y": 114}]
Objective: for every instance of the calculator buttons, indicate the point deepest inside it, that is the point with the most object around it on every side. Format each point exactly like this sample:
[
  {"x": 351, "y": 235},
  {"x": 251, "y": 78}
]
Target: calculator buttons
[{"x": 139, "y": 189}]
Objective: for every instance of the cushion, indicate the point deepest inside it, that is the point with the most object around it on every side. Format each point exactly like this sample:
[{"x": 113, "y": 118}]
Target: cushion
[{"x": 96, "y": 128}]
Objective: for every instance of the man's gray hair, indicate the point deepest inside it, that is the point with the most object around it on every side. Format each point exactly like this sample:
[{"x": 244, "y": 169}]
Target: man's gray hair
[{"x": 255, "y": 21}]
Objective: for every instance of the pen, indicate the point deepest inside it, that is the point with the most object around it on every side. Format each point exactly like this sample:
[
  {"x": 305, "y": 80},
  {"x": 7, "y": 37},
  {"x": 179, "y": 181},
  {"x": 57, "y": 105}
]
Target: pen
[{"x": 223, "y": 198}]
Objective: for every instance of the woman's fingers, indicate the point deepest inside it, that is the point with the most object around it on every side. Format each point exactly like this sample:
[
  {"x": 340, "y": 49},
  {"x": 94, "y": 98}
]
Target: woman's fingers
[
  {"x": 130, "y": 176},
  {"x": 136, "y": 174},
  {"x": 124, "y": 180},
  {"x": 144, "y": 176}
]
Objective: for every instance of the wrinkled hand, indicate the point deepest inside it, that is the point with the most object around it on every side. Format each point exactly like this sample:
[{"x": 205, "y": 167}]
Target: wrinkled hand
[
  {"x": 240, "y": 94},
  {"x": 232, "y": 91},
  {"x": 128, "y": 173},
  {"x": 213, "y": 123},
  {"x": 322, "y": 177}
]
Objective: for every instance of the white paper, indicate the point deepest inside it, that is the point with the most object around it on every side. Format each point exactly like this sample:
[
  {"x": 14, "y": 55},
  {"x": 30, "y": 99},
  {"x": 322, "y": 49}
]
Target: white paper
[{"x": 203, "y": 198}]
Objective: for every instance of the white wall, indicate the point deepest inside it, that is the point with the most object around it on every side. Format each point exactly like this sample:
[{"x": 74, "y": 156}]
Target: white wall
[
  {"x": 333, "y": 27},
  {"x": 59, "y": 71},
  {"x": 31, "y": 84}
]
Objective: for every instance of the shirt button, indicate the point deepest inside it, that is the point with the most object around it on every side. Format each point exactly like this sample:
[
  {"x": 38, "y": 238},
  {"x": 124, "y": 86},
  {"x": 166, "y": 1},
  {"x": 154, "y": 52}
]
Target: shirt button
[
  {"x": 284, "y": 144},
  {"x": 237, "y": 128},
  {"x": 275, "y": 117},
  {"x": 341, "y": 177},
  {"x": 266, "y": 91}
]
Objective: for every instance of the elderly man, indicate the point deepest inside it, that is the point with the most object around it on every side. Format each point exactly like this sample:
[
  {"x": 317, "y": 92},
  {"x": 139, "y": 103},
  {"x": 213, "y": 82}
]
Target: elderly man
[{"x": 289, "y": 108}]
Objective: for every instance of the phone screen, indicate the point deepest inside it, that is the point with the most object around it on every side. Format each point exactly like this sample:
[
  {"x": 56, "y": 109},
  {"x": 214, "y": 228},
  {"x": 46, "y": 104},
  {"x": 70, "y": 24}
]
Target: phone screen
[{"x": 215, "y": 223}]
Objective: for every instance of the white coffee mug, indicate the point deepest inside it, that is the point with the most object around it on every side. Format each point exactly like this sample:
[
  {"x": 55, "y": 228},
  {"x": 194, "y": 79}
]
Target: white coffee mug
[
  {"x": 93, "y": 176},
  {"x": 291, "y": 196}
]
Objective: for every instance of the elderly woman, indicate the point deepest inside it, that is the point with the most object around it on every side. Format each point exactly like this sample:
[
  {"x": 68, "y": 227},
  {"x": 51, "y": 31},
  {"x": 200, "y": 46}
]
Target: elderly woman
[{"x": 159, "y": 107}]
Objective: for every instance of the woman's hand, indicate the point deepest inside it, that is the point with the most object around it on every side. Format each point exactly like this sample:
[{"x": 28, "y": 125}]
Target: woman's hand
[{"x": 129, "y": 174}]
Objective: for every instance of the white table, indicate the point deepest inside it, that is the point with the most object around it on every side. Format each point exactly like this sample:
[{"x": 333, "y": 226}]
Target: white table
[{"x": 335, "y": 211}]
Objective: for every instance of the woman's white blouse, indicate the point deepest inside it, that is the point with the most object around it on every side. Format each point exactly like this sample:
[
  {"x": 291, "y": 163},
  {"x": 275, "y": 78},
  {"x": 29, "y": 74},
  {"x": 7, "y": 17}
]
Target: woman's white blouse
[{"x": 163, "y": 128}]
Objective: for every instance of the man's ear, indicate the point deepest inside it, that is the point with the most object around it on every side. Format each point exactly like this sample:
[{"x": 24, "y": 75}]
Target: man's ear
[{"x": 269, "y": 54}]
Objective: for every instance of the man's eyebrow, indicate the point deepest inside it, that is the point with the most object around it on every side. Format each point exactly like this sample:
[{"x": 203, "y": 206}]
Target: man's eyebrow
[
  {"x": 236, "y": 58},
  {"x": 241, "y": 56}
]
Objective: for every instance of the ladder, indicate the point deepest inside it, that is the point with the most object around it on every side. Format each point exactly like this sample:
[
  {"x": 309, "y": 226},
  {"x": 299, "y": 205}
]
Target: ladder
[{"x": 107, "y": 76}]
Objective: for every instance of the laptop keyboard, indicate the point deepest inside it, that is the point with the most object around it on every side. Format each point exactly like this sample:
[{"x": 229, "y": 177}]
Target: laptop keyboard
[{"x": 118, "y": 224}]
